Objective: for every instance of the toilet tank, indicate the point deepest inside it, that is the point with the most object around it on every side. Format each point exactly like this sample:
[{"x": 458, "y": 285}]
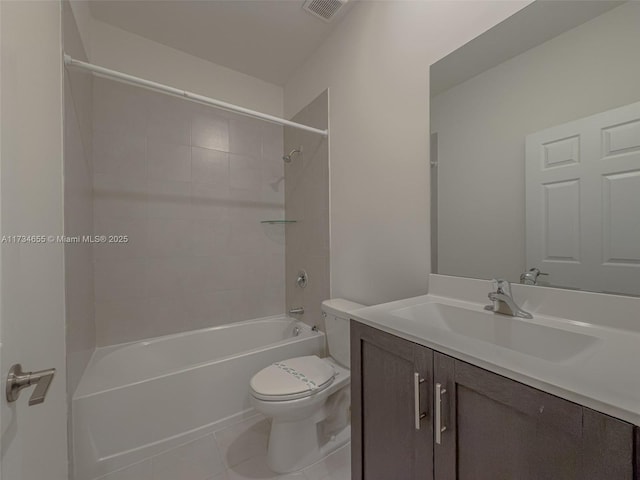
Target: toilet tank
[{"x": 336, "y": 320}]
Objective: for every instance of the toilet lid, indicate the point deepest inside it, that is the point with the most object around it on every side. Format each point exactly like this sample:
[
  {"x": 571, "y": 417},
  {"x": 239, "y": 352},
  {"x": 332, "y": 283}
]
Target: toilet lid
[{"x": 300, "y": 376}]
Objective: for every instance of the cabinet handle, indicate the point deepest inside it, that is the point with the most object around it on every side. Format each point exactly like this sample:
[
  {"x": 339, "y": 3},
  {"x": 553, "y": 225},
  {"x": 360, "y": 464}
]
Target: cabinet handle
[
  {"x": 439, "y": 428},
  {"x": 416, "y": 400}
]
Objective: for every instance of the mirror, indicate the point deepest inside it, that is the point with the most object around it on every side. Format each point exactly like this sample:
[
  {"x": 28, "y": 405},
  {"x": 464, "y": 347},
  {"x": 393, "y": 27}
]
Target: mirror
[{"x": 535, "y": 152}]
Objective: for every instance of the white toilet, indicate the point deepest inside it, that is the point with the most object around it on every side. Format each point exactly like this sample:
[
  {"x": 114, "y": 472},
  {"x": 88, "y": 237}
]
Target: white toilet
[{"x": 308, "y": 398}]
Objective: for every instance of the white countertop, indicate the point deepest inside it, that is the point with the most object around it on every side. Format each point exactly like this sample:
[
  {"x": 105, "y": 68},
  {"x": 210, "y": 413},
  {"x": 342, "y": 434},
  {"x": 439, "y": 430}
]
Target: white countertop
[{"x": 604, "y": 377}]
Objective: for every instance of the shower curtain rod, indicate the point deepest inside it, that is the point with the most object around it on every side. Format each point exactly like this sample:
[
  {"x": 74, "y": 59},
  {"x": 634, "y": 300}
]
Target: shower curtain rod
[{"x": 125, "y": 78}]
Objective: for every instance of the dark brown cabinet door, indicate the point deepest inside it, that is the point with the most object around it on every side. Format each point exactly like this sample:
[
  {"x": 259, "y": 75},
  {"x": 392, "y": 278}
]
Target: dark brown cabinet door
[
  {"x": 386, "y": 442},
  {"x": 499, "y": 429}
]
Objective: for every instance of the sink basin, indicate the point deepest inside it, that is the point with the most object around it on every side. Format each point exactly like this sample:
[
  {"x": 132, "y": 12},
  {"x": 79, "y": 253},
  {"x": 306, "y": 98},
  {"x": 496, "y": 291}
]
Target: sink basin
[{"x": 540, "y": 341}]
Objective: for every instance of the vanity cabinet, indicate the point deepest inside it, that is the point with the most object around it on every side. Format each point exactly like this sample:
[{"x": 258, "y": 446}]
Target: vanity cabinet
[
  {"x": 491, "y": 427},
  {"x": 497, "y": 428},
  {"x": 391, "y": 438}
]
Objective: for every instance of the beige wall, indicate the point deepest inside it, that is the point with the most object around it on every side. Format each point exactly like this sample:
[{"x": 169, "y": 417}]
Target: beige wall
[
  {"x": 78, "y": 206},
  {"x": 376, "y": 66},
  {"x": 307, "y": 202},
  {"x": 83, "y": 20},
  {"x": 482, "y": 124},
  {"x": 189, "y": 185},
  {"x": 120, "y": 50}
]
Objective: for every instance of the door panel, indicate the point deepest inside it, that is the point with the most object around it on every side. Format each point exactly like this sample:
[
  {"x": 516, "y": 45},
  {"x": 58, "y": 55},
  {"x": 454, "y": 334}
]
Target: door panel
[
  {"x": 385, "y": 441},
  {"x": 499, "y": 429},
  {"x": 543, "y": 408},
  {"x": 607, "y": 448},
  {"x": 32, "y": 324},
  {"x": 582, "y": 202},
  {"x": 387, "y": 409},
  {"x": 520, "y": 446}
]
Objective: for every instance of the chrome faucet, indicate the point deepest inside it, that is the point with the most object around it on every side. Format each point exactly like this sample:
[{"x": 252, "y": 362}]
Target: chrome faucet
[
  {"x": 530, "y": 277},
  {"x": 503, "y": 301}
]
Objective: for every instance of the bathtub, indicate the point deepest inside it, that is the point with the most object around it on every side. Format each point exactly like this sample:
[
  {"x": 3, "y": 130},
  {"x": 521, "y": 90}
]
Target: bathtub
[{"x": 139, "y": 399}]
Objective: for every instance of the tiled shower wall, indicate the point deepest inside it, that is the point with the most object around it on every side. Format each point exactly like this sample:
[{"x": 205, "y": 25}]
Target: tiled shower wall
[
  {"x": 78, "y": 208},
  {"x": 189, "y": 186},
  {"x": 307, "y": 202}
]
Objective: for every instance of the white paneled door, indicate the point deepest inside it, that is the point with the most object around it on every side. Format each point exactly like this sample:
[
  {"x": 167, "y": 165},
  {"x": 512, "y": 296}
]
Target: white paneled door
[
  {"x": 583, "y": 201},
  {"x": 33, "y": 438}
]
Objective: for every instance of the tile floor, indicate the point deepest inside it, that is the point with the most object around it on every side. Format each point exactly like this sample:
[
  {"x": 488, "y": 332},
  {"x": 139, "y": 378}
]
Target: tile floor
[{"x": 237, "y": 452}]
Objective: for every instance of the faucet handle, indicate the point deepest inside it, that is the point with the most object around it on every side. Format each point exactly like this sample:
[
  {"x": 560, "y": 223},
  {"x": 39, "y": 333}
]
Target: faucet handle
[{"x": 500, "y": 285}]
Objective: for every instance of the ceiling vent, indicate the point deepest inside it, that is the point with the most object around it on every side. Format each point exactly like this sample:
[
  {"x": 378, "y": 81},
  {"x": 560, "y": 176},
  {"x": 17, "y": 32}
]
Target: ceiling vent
[{"x": 324, "y": 9}]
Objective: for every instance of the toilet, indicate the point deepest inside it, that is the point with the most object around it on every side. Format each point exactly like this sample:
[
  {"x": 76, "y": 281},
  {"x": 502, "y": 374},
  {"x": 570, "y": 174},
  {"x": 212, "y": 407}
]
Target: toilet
[{"x": 308, "y": 398}]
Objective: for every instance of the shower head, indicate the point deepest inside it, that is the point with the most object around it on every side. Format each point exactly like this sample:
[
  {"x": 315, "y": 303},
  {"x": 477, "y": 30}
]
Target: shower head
[{"x": 292, "y": 154}]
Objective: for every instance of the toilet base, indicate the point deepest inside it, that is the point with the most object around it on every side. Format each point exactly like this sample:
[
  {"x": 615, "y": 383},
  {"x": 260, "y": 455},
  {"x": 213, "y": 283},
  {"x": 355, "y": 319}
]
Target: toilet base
[
  {"x": 296, "y": 445},
  {"x": 305, "y": 430}
]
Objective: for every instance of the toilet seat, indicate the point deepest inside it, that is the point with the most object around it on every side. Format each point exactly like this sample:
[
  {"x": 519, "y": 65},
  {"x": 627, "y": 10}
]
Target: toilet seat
[{"x": 292, "y": 379}]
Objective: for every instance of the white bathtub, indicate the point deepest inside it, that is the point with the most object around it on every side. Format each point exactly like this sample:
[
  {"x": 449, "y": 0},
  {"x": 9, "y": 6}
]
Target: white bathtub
[{"x": 139, "y": 399}]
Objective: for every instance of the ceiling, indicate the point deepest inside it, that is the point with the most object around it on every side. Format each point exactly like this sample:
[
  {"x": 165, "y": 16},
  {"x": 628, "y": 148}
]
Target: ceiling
[{"x": 267, "y": 39}]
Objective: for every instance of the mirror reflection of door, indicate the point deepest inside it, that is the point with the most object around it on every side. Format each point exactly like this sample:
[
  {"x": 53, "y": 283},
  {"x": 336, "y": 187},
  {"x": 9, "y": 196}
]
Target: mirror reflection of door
[
  {"x": 564, "y": 75},
  {"x": 583, "y": 201}
]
